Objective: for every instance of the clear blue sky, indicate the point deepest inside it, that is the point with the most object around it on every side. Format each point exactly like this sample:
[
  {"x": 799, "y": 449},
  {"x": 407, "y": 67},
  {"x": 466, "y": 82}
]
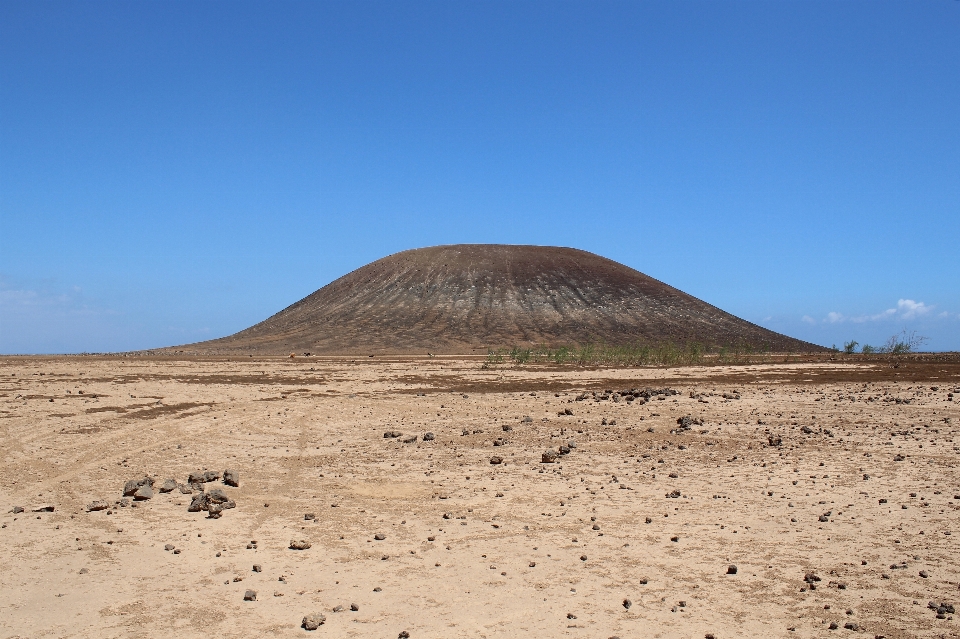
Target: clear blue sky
[{"x": 177, "y": 171}]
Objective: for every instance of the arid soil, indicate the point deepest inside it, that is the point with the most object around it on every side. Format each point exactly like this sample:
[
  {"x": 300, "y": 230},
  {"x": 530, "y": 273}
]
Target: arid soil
[{"x": 831, "y": 486}]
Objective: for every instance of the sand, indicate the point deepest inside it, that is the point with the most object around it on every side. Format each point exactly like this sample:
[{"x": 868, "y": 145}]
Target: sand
[{"x": 470, "y": 548}]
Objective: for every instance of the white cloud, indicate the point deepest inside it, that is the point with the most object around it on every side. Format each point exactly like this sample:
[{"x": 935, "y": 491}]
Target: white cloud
[
  {"x": 808, "y": 319},
  {"x": 905, "y": 310},
  {"x": 910, "y": 309}
]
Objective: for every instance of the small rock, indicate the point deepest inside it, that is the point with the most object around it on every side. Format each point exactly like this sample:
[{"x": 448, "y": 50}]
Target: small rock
[
  {"x": 392, "y": 434},
  {"x": 211, "y": 475},
  {"x": 338, "y": 608},
  {"x": 496, "y": 460},
  {"x": 379, "y": 536},
  {"x": 143, "y": 493},
  {"x": 16, "y": 510},
  {"x": 312, "y": 622},
  {"x": 257, "y": 568},
  {"x": 250, "y": 595},
  {"x": 412, "y": 439},
  {"x": 168, "y": 486},
  {"x": 354, "y": 607},
  {"x": 429, "y": 437},
  {"x": 97, "y": 505},
  {"x": 549, "y": 456},
  {"x": 309, "y": 516},
  {"x": 301, "y": 544},
  {"x": 627, "y": 603},
  {"x": 924, "y": 574},
  {"x": 169, "y": 547},
  {"x": 731, "y": 569},
  {"x": 231, "y": 478}
]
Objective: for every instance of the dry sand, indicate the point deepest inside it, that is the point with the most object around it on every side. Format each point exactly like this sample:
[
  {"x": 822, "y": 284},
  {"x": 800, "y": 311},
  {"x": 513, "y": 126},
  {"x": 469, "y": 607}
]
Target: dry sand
[{"x": 529, "y": 549}]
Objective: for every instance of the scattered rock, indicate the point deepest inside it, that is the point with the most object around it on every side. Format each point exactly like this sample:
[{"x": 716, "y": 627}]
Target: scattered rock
[
  {"x": 16, "y": 510},
  {"x": 379, "y": 536},
  {"x": 301, "y": 544},
  {"x": 775, "y": 440},
  {"x": 731, "y": 569},
  {"x": 627, "y": 603},
  {"x": 392, "y": 434},
  {"x": 354, "y": 607},
  {"x": 97, "y": 505},
  {"x": 168, "y": 486},
  {"x": 309, "y": 516},
  {"x": 132, "y": 486},
  {"x": 429, "y": 437},
  {"x": 257, "y": 568},
  {"x": 169, "y": 547},
  {"x": 231, "y": 478},
  {"x": 496, "y": 460},
  {"x": 143, "y": 493},
  {"x": 412, "y": 439},
  {"x": 250, "y": 595},
  {"x": 312, "y": 622},
  {"x": 549, "y": 456}
]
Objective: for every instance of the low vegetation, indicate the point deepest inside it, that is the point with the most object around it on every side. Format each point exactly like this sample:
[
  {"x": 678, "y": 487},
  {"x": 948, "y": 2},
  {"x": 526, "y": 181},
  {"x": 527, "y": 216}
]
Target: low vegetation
[{"x": 664, "y": 354}]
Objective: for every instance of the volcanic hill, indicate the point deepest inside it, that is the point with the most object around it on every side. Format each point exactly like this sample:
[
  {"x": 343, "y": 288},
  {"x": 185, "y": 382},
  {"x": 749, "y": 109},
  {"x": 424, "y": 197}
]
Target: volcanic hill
[{"x": 472, "y": 297}]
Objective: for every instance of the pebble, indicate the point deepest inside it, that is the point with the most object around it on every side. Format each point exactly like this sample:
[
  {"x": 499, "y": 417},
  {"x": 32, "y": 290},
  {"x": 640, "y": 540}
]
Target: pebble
[
  {"x": 301, "y": 544},
  {"x": 250, "y": 595}
]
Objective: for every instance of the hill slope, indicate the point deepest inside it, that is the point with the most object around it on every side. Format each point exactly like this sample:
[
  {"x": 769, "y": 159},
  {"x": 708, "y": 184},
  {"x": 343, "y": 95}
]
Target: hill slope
[{"x": 470, "y": 297}]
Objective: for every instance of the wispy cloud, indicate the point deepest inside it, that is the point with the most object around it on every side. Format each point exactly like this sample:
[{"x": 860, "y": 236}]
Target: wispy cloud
[{"x": 905, "y": 309}]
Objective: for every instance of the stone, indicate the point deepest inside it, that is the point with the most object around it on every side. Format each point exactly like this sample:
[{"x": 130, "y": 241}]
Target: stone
[
  {"x": 133, "y": 485},
  {"x": 627, "y": 603},
  {"x": 185, "y": 489},
  {"x": 16, "y": 510},
  {"x": 169, "y": 547},
  {"x": 775, "y": 440},
  {"x": 379, "y": 536},
  {"x": 496, "y": 460},
  {"x": 309, "y": 516},
  {"x": 168, "y": 485},
  {"x": 312, "y": 622},
  {"x": 411, "y": 439},
  {"x": 354, "y": 607},
  {"x": 564, "y": 450},
  {"x": 549, "y": 456},
  {"x": 731, "y": 569},
  {"x": 97, "y": 505},
  {"x": 250, "y": 595},
  {"x": 231, "y": 478},
  {"x": 257, "y": 568},
  {"x": 196, "y": 477},
  {"x": 392, "y": 434},
  {"x": 214, "y": 509},
  {"x": 301, "y": 544},
  {"x": 143, "y": 493},
  {"x": 211, "y": 475},
  {"x": 429, "y": 437},
  {"x": 198, "y": 503},
  {"x": 338, "y": 608}
]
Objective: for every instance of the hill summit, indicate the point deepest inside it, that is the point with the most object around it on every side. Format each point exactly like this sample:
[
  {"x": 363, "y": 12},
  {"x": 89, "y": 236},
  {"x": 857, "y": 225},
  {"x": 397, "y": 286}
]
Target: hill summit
[{"x": 468, "y": 298}]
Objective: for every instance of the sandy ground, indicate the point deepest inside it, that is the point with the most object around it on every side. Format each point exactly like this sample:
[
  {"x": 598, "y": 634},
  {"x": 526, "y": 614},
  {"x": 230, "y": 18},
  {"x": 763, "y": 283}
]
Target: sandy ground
[{"x": 474, "y": 549}]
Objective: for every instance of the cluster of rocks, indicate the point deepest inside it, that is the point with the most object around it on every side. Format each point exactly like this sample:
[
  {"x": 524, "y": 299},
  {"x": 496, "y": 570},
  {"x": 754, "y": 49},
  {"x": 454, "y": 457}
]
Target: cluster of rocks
[
  {"x": 685, "y": 424},
  {"x": 409, "y": 439},
  {"x": 633, "y": 394},
  {"x": 942, "y": 609},
  {"x": 213, "y": 502},
  {"x": 550, "y": 456}
]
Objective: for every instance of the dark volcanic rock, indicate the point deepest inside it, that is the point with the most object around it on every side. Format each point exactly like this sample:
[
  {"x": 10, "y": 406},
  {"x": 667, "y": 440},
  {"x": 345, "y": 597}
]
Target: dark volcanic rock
[
  {"x": 231, "y": 478},
  {"x": 312, "y": 622},
  {"x": 453, "y": 298}
]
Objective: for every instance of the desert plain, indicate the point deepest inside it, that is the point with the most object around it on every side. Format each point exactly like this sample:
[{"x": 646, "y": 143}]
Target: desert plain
[{"x": 800, "y": 494}]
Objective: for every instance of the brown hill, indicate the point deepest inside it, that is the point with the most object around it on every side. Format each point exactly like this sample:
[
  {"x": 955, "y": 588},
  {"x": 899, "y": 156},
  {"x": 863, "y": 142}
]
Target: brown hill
[{"x": 471, "y": 297}]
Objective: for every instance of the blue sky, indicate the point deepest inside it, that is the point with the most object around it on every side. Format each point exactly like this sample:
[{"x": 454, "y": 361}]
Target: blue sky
[{"x": 174, "y": 171}]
